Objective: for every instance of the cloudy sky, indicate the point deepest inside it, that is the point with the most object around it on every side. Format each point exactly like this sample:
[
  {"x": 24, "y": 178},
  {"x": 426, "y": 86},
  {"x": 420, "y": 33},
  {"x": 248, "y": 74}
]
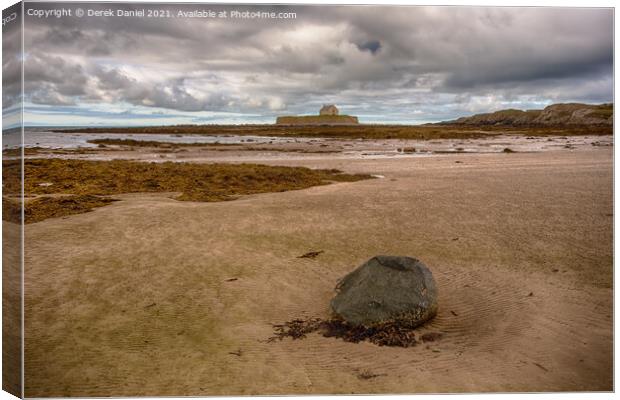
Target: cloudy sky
[{"x": 383, "y": 64}]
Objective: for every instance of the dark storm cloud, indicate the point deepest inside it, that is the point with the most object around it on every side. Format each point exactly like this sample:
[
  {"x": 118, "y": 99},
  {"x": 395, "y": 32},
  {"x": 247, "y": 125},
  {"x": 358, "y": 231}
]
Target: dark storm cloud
[
  {"x": 11, "y": 64},
  {"x": 52, "y": 80},
  {"x": 373, "y": 46},
  {"x": 397, "y": 60},
  {"x": 11, "y": 79}
]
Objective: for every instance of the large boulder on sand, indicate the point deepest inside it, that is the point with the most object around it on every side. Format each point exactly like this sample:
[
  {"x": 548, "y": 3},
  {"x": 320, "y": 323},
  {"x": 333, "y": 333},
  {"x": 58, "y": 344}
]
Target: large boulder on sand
[{"x": 387, "y": 289}]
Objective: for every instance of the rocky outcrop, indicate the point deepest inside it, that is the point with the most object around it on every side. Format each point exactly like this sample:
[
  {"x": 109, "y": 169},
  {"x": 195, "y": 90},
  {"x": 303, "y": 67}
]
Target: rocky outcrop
[{"x": 556, "y": 114}]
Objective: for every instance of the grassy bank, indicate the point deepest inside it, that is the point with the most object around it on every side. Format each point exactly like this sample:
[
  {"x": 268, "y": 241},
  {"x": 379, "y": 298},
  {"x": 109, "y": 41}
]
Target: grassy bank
[
  {"x": 195, "y": 182},
  {"x": 420, "y": 132}
]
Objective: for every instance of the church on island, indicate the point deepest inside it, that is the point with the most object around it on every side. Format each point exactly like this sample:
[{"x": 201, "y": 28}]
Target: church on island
[
  {"x": 329, "y": 109},
  {"x": 328, "y": 115}
]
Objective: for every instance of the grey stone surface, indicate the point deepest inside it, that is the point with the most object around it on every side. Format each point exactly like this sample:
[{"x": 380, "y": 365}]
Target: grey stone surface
[{"x": 386, "y": 289}]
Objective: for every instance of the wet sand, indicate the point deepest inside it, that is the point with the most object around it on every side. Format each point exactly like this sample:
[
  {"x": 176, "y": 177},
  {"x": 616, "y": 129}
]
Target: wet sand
[
  {"x": 139, "y": 297},
  {"x": 230, "y": 148}
]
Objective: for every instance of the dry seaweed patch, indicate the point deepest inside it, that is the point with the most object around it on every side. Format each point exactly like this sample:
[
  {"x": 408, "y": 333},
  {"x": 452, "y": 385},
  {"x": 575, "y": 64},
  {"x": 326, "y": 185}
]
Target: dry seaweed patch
[
  {"x": 393, "y": 333},
  {"x": 212, "y": 146},
  {"x": 31, "y": 151},
  {"x": 41, "y": 208},
  {"x": 153, "y": 143},
  {"x": 365, "y": 375},
  {"x": 11, "y": 210},
  {"x": 195, "y": 182},
  {"x": 45, "y": 207},
  {"x": 311, "y": 254},
  {"x": 17, "y": 152}
]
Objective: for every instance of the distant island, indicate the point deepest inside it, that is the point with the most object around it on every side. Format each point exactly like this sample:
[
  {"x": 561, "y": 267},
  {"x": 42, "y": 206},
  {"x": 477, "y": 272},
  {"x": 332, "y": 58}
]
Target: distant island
[
  {"x": 568, "y": 119},
  {"x": 328, "y": 115},
  {"x": 555, "y": 114}
]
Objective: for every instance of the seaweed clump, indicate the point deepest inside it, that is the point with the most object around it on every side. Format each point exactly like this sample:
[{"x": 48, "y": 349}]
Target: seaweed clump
[{"x": 391, "y": 333}]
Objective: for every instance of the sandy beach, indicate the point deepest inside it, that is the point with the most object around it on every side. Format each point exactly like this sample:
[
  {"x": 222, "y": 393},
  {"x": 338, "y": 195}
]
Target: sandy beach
[{"x": 151, "y": 296}]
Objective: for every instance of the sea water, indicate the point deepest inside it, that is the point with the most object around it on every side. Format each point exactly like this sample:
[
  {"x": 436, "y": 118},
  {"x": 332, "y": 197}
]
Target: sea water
[{"x": 45, "y": 138}]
